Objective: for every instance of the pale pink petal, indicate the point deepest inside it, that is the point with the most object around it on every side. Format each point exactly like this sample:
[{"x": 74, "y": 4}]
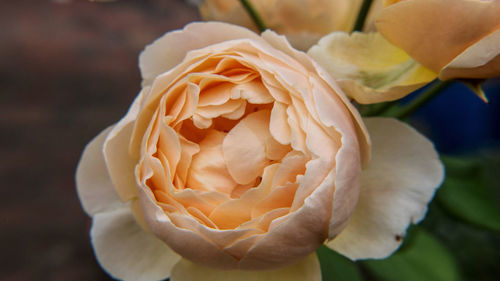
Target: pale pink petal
[
  {"x": 306, "y": 269},
  {"x": 395, "y": 190},
  {"x": 126, "y": 251},
  {"x": 94, "y": 187}
]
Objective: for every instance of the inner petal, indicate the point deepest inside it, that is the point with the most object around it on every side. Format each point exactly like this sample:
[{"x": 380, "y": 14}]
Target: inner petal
[
  {"x": 208, "y": 169},
  {"x": 244, "y": 147}
]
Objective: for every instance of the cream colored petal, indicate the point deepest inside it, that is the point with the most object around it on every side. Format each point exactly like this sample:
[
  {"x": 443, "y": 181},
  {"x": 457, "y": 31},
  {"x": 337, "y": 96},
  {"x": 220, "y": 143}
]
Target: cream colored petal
[
  {"x": 306, "y": 269},
  {"x": 119, "y": 162},
  {"x": 93, "y": 184},
  {"x": 126, "y": 251},
  {"x": 368, "y": 67},
  {"x": 434, "y": 32},
  {"x": 170, "y": 49},
  {"x": 395, "y": 189},
  {"x": 481, "y": 60},
  {"x": 244, "y": 150}
]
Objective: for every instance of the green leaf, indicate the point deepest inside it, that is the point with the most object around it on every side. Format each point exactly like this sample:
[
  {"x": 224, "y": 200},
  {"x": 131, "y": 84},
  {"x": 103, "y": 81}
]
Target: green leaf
[
  {"x": 421, "y": 258},
  {"x": 468, "y": 200},
  {"x": 335, "y": 267}
]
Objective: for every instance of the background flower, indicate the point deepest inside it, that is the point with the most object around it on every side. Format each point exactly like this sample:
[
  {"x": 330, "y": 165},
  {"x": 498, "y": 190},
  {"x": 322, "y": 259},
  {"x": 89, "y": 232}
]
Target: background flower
[
  {"x": 302, "y": 21},
  {"x": 457, "y": 39}
]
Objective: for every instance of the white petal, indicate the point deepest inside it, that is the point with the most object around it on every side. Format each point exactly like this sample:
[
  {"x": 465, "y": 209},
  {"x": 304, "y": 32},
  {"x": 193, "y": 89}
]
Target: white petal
[
  {"x": 170, "y": 49},
  {"x": 94, "y": 187},
  {"x": 126, "y": 251},
  {"x": 395, "y": 189},
  {"x": 307, "y": 269}
]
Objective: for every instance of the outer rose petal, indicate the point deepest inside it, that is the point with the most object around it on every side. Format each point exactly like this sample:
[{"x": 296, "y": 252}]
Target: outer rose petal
[
  {"x": 94, "y": 187},
  {"x": 434, "y": 32},
  {"x": 307, "y": 269},
  {"x": 120, "y": 163},
  {"x": 126, "y": 251},
  {"x": 170, "y": 49},
  {"x": 369, "y": 68},
  {"x": 395, "y": 190}
]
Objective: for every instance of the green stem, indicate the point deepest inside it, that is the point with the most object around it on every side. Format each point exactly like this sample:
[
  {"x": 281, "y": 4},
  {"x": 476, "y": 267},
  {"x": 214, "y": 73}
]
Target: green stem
[
  {"x": 435, "y": 89},
  {"x": 254, "y": 15},
  {"x": 363, "y": 12}
]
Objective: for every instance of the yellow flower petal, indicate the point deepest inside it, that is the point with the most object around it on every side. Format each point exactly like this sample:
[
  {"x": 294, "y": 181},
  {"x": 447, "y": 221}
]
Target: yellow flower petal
[{"x": 368, "y": 67}]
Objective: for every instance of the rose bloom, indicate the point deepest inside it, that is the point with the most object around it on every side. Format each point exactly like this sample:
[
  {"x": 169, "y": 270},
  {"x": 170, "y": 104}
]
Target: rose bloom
[
  {"x": 455, "y": 38},
  {"x": 302, "y": 21},
  {"x": 239, "y": 158}
]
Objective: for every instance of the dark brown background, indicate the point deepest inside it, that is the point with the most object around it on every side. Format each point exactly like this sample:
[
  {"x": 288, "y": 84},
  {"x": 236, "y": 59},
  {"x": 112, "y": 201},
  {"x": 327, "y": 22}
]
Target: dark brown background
[{"x": 68, "y": 69}]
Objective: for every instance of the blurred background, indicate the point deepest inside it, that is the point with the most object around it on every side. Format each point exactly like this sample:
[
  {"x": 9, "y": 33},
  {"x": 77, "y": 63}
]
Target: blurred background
[{"x": 68, "y": 69}]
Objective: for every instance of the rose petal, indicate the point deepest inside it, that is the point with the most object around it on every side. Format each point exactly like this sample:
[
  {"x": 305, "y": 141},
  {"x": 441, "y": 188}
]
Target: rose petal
[
  {"x": 208, "y": 168},
  {"x": 368, "y": 67},
  {"x": 307, "y": 269},
  {"x": 395, "y": 190},
  {"x": 93, "y": 184},
  {"x": 434, "y": 32},
  {"x": 244, "y": 150},
  {"x": 170, "y": 49},
  {"x": 481, "y": 60},
  {"x": 126, "y": 251}
]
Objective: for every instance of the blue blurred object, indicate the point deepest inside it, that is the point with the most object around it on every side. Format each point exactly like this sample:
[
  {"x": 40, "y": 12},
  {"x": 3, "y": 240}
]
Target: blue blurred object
[{"x": 458, "y": 121}]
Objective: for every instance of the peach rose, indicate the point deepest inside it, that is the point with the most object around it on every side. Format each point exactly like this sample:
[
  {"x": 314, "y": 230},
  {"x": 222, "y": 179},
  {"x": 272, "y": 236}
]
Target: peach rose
[
  {"x": 302, "y": 21},
  {"x": 239, "y": 158},
  {"x": 455, "y": 38}
]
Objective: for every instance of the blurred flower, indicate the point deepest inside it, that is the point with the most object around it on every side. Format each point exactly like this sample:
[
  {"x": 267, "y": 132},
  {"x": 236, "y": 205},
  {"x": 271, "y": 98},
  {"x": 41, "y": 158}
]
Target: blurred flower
[
  {"x": 455, "y": 38},
  {"x": 239, "y": 158},
  {"x": 302, "y": 21},
  {"x": 368, "y": 68}
]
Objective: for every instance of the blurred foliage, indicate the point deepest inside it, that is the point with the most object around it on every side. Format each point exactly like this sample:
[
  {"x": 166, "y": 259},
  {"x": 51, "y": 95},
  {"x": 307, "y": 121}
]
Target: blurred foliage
[
  {"x": 335, "y": 267},
  {"x": 422, "y": 257},
  {"x": 458, "y": 240}
]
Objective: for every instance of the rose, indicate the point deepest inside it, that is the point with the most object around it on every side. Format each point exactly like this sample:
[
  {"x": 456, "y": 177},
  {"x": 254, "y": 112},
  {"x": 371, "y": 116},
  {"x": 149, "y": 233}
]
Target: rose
[
  {"x": 302, "y": 21},
  {"x": 457, "y": 39},
  {"x": 241, "y": 154}
]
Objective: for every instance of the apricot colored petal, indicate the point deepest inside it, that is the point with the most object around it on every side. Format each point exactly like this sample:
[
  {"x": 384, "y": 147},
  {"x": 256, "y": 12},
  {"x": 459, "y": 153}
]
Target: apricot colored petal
[
  {"x": 481, "y": 60},
  {"x": 280, "y": 43},
  {"x": 190, "y": 243},
  {"x": 170, "y": 49},
  {"x": 368, "y": 67},
  {"x": 244, "y": 149},
  {"x": 434, "y": 32},
  {"x": 208, "y": 169},
  {"x": 126, "y": 251},
  {"x": 306, "y": 269},
  {"x": 395, "y": 189},
  {"x": 94, "y": 187}
]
